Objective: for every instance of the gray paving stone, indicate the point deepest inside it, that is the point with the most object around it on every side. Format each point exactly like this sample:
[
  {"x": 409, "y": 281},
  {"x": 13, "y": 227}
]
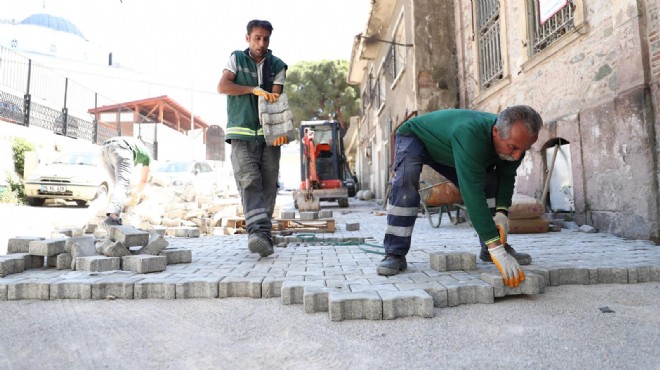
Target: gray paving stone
[
  {"x": 293, "y": 291},
  {"x": 309, "y": 216},
  {"x": 355, "y": 306},
  {"x": 81, "y": 246},
  {"x": 63, "y": 261},
  {"x": 31, "y": 261},
  {"x": 533, "y": 284},
  {"x": 184, "y": 232},
  {"x": 352, "y": 226},
  {"x": 315, "y": 299},
  {"x": 566, "y": 276},
  {"x": 30, "y": 289},
  {"x": 111, "y": 248},
  {"x": 325, "y": 213},
  {"x": 143, "y": 263},
  {"x": 240, "y": 287},
  {"x": 177, "y": 255},
  {"x": 115, "y": 288},
  {"x": 98, "y": 263},
  {"x": 11, "y": 264},
  {"x": 155, "y": 288},
  {"x": 608, "y": 275},
  {"x": 71, "y": 289},
  {"x": 20, "y": 244},
  {"x": 47, "y": 247},
  {"x": 202, "y": 287},
  {"x": 129, "y": 236},
  {"x": 156, "y": 244},
  {"x": 442, "y": 261},
  {"x": 414, "y": 302},
  {"x": 647, "y": 274}
]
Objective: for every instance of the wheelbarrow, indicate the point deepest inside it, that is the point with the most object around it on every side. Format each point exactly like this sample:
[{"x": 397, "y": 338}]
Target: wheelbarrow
[{"x": 441, "y": 198}]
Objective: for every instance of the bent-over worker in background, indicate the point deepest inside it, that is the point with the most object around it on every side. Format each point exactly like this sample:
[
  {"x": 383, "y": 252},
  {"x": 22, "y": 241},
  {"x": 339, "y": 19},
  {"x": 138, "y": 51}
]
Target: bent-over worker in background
[
  {"x": 479, "y": 153},
  {"x": 251, "y": 73},
  {"x": 120, "y": 155}
]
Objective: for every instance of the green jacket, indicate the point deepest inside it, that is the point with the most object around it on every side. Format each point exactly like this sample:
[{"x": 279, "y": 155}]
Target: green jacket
[
  {"x": 463, "y": 139},
  {"x": 242, "y": 110}
]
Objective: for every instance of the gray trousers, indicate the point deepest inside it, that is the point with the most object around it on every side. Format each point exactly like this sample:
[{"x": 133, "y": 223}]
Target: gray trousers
[
  {"x": 118, "y": 161},
  {"x": 256, "y": 167}
]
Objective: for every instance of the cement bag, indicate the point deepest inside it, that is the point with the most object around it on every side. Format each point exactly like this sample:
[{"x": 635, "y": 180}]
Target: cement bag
[
  {"x": 529, "y": 226},
  {"x": 524, "y": 207}
]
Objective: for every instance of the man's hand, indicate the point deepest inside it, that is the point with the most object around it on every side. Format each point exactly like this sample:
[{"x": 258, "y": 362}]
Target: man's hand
[
  {"x": 508, "y": 266},
  {"x": 502, "y": 223},
  {"x": 281, "y": 141},
  {"x": 270, "y": 97}
]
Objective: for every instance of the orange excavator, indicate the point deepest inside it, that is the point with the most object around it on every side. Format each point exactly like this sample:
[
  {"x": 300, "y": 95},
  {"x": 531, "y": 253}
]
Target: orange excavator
[{"x": 322, "y": 166}]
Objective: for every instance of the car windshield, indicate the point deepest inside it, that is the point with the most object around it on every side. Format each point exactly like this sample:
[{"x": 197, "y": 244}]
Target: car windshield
[
  {"x": 177, "y": 166},
  {"x": 78, "y": 158}
]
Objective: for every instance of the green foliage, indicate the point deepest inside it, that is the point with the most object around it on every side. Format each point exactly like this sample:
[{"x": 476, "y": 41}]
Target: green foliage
[
  {"x": 19, "y": 147},
  {"x": 15, "y": 191},
  {"x": 319, "y": 90}
]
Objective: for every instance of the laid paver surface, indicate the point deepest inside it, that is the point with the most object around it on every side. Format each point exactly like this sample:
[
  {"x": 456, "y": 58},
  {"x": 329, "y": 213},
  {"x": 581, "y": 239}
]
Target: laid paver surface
[{"x": 223, "y": 267}]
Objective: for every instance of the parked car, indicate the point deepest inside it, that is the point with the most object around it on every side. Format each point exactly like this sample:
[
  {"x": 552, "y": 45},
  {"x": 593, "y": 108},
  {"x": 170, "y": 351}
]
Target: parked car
[
  {"x": 78, "y": 176},
  {"x": 227, "y": 183},
  {"x": 178, "y": 174},
  {"x": 11, "y": 112}
]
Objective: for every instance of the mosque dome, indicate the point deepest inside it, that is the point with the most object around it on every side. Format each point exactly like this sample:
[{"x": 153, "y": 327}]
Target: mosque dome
[{"x": 52, "y": 22}]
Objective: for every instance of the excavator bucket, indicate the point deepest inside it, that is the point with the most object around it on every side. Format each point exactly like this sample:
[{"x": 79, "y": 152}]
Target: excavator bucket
[{"x": 306, "y": 202}]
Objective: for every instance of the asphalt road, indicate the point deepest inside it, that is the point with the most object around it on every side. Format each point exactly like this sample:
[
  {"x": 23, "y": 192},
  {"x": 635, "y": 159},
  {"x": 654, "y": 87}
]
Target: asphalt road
[{"x": 561, "y": 329}]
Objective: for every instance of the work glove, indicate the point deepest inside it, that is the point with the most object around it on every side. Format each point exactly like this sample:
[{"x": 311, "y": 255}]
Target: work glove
[
  {"x": 270, "y": 97},
  {"x": 508, "y": 266},
  {"x": 502, "y": 223},
  {"x": 281, "y": 141}
]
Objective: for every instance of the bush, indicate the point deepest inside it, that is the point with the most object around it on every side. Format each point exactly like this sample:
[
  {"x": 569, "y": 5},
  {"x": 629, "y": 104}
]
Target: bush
[{"x": 19, "y": 148}]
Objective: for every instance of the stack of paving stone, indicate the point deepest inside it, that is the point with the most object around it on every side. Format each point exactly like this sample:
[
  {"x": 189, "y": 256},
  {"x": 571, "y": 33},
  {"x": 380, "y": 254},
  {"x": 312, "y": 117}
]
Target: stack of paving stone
[{"x": 121, "y": 248}]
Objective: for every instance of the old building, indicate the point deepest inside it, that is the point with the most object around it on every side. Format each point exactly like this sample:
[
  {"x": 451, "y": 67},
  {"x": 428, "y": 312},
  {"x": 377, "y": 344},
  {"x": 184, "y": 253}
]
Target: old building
[{"x": 590, "y": 68}]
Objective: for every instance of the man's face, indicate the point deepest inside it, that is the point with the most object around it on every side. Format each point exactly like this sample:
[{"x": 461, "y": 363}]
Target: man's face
[
  {"x": 513, "y": 147},
  {"x": 258, "y": 41}
]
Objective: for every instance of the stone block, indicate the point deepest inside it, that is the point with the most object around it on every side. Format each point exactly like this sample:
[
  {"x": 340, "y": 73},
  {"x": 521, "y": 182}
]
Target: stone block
[
  {"x": 32, "y": 262},
  {"x": 82, "y": 246},
  {"x": 177, "y": 255},
  {"x": 129, "y": 236},
  {"x": 414, "y": 302},
  {"x": 11, "y": 264},
  {"x": 143, "y": 263},
  {"x": 97, "y": 263},
  {"x": 155, "y": 288},
  {"x": 156, "y": 244},
  {"x": 51, "y": 261},
  {"x": 29, "y": 289},
  {"x": 71, "y": 289},
  {"x": 325, "y": 213},
  {"x": 288, "y": 215},
  {"x": 183, "y": 232},
  {"x": 608, "y": 275},
  {"x": 646, "y": 274},
  {"x": 533, "y": 284},
  {"x": 271, "y": 287},
  {"x": 110, "y": 248},
  {"x": 240, "y": 287},
  {"x": 63, "y": 261},
  {"x": 47, "y": 247},
  {"x": 571, "y": 275},
  {"x": 355, "y": 306},
  {"x": 315, "y": 298},
  {"x": 455, "y": 261},
  {"x": 70, "y": 232},
  {"x": 116, "y": 288},
  {"x": 352, "y": 226},
  {"x": 293, "y": 291},
  {"x": 309, "y": 216},
  {"x": 20, "y": 244},
  {"x": 203, "y": 287}
]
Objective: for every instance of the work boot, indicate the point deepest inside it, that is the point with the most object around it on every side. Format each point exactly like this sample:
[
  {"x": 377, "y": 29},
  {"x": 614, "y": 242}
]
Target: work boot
[
  {"x": 522, "y": 258},
  {"x": 392, "y": 265},
  {"x": 260, "y": 243}
]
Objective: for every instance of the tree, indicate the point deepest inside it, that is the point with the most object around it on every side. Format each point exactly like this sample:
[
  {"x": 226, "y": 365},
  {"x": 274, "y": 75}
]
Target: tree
[{"x": 319, "y": 90}]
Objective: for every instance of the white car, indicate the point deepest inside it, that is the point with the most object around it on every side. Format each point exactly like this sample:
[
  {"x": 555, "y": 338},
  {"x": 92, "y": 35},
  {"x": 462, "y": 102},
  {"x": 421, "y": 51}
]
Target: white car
[
  {"x": 77, "y": 176},
  {"x": 178, "y": 174}
]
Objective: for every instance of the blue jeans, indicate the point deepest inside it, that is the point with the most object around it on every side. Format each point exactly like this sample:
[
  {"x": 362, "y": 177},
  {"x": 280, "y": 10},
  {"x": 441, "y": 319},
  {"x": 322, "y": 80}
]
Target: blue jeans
[
  {"x": 118, "y": 161},
  {"x": 256, "y": 167},
  {"x": 403, "y": 205}
]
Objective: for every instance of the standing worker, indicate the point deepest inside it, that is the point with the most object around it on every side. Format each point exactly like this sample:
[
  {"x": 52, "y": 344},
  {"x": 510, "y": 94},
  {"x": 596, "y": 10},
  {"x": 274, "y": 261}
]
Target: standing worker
[
  {"x": 120, "y": 155},
  {"x": 251, "y": 73},
  {"x": 479, "y": 153}
]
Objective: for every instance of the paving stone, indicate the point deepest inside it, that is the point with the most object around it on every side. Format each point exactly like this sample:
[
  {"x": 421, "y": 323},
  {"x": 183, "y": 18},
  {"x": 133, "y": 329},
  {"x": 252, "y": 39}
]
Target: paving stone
[
  {"x": 309, "y": 216},
  {"x": 110, "y": 248},
  {"x": 202, "y": 287},
  {"x": 183, "y": 232},
  {"x": 177, "y": 255},
  {"x": 31, "y": 261},
  {"x": 71, "y": 289},
  {"x": 288, "y": 215},
  {"x": 11, "y": 264},
  {"x": 533, "y": 284},
  {"x": 442, "y": 261},
  {"x": 156, "y": 244},
  {"x": 355, "y": 306},
  {"x": 143, "y": 263},
  {"x": 272, "y": 287},
  {"x": 566, "y": 276},
  {"x": 128, "y": 236},
  {"x": 325, "y": 213},
  {"x": 70, "y": 232},
  {"x": 240, "y": 287},
  {"x": 414, "y": 302},
  {"x": 293, "y": 291},
  {"x": 81, "y": 246},
  {"x": 51, "y": 261},
  {"x": 315, "y": 299},
  {"x": 20, "y": 244},
  {"x": 608, "y": 275},
  {"x": 63, "y": 261},
  {"x": 47, "y": 247},
  {"x": 115, "y": 288},
  {"x": 647, "y": 274},
  {"x": 155, "y": 288},
  {"x": 98, "y": 263},
  {"x": 30, "y": 289}
]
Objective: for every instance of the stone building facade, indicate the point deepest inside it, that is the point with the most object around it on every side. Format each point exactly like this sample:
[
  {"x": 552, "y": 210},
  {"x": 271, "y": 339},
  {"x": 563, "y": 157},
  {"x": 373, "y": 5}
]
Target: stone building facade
[{"x": 590, "y": 68}]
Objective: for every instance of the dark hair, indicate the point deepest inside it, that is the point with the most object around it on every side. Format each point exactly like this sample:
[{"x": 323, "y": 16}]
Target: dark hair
[
  {"x": 527, "y": 115},
  {"x": 259, "y": 23}
]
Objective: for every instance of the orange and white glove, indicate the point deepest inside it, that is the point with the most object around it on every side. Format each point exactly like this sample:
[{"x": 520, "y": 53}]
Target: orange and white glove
[
  {"x": 281, "y": 141},
  {"x": 502, "y": 223},
  {"x": 270, "y": 97},
  {"x": 508, "y": 266}
]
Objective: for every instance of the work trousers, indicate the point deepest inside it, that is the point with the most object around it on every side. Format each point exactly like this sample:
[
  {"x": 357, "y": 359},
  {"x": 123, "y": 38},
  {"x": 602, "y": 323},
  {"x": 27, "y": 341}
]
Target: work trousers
[
  {"x": 118, "y": 161},
  {"x": 256, "y": 167},
  {"x": 403, "y": 205}
]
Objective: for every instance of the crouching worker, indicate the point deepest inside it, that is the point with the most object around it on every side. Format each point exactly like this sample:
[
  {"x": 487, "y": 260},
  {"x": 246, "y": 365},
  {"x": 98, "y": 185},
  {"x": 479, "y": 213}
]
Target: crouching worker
[
  {"x": 120, "y": 155},
  {"x": 479, "y": 153}
]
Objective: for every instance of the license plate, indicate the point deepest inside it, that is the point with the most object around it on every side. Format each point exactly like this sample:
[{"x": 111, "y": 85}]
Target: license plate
[{"x": 53, "y": 188}]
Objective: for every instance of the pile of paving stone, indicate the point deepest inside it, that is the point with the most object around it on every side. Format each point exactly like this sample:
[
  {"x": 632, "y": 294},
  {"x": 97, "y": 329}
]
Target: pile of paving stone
[{"x": 120, "y": 248}]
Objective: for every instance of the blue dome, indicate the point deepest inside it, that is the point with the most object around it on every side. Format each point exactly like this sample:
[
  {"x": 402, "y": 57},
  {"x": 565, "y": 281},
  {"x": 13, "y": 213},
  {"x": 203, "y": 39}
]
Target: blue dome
[{"x": 52, "y": 22}]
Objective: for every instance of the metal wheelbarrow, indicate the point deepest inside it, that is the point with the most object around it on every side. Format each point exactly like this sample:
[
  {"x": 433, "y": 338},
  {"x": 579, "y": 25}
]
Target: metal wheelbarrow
[{"x": 441, "y": 198}]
